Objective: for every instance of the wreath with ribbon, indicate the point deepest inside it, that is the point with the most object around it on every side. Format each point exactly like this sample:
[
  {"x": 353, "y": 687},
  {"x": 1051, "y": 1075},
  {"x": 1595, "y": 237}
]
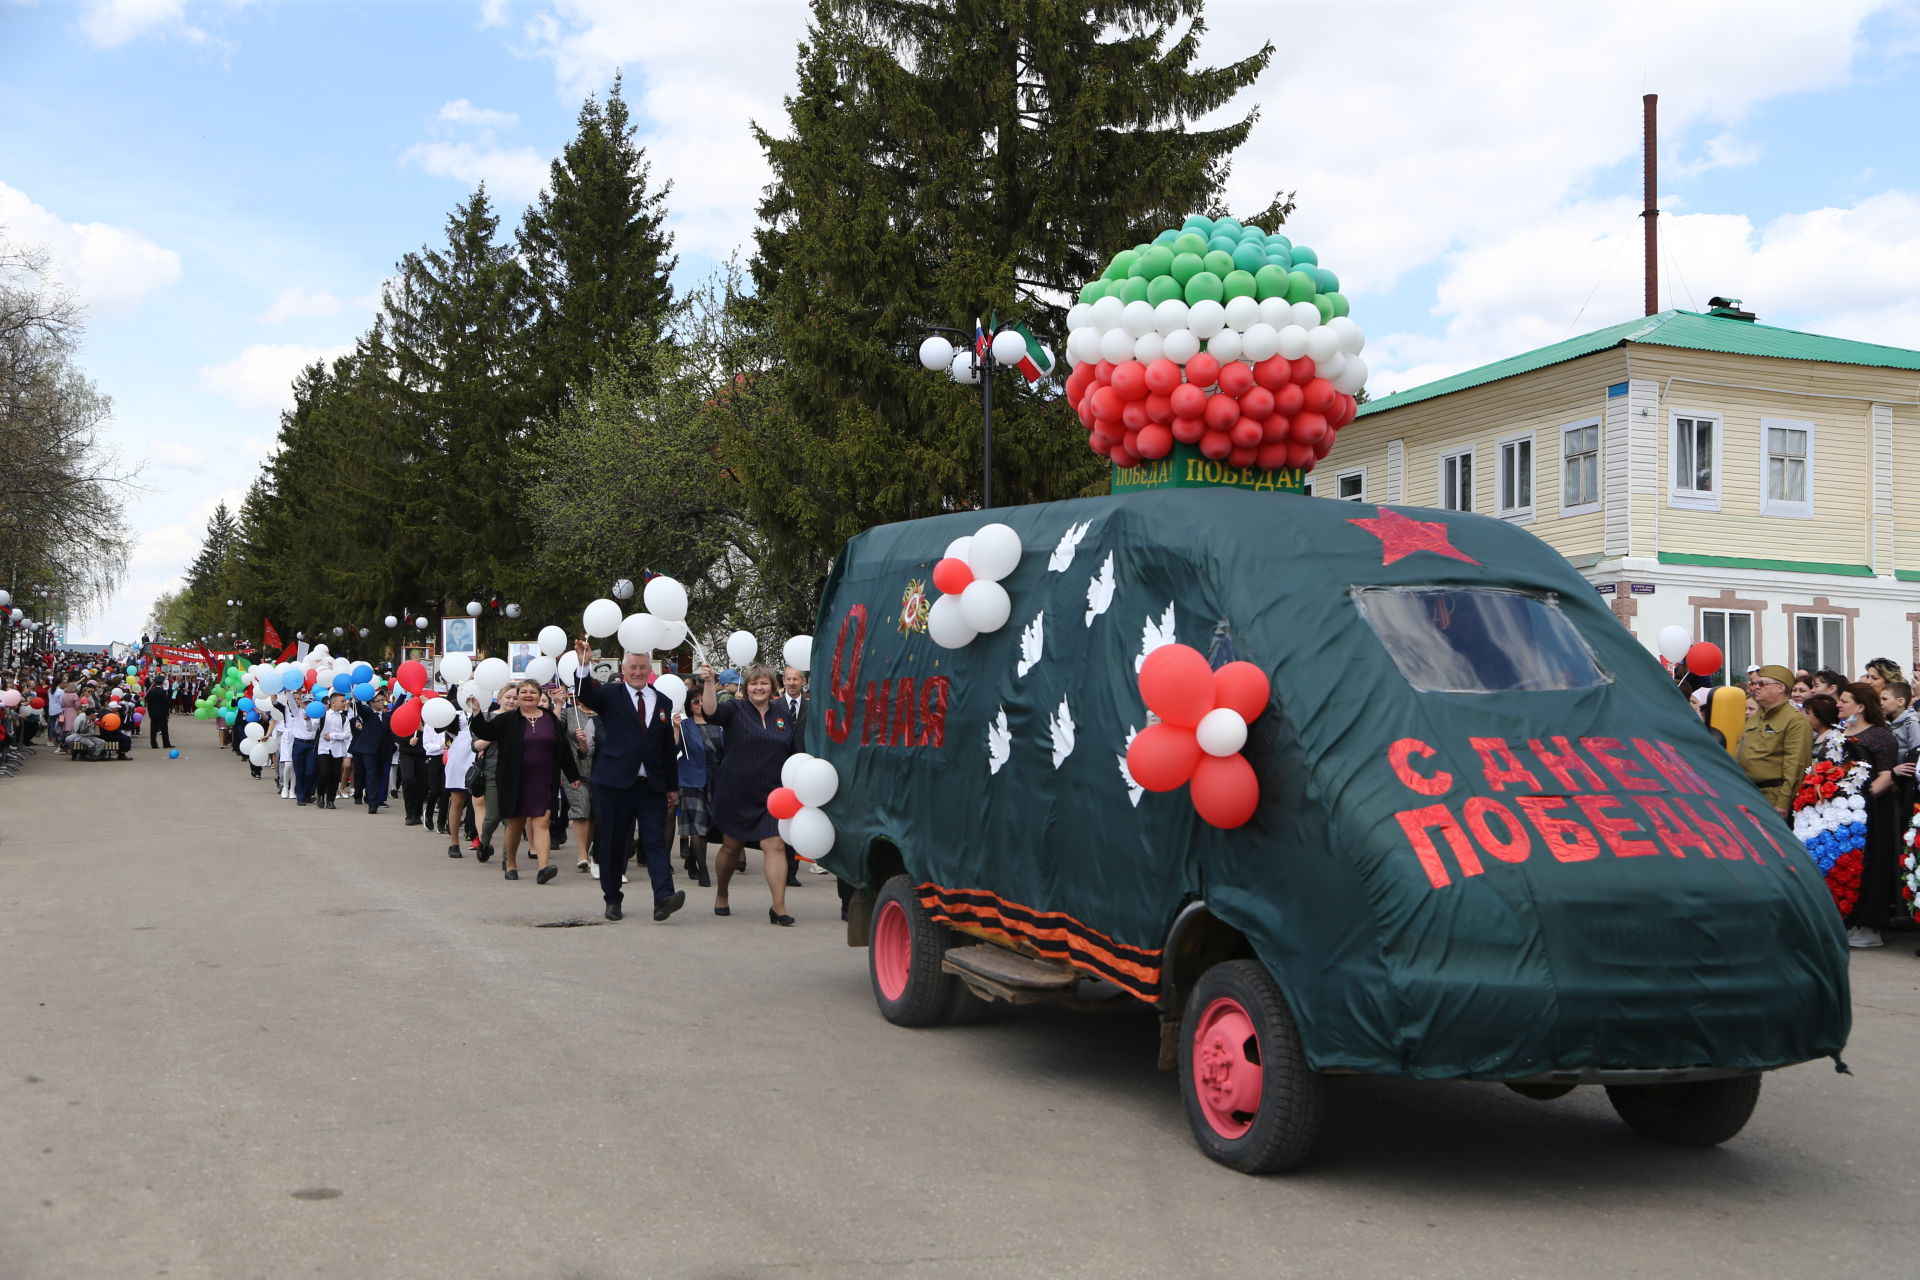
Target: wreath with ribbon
[{"x": 1830, "y": 818}]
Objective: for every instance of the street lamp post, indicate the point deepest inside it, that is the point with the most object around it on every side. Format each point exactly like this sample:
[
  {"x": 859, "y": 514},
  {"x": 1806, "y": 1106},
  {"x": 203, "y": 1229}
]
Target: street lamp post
[{"x": 968, "y": 364}]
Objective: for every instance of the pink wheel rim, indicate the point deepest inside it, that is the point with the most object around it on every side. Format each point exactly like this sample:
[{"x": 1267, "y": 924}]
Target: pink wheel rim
[
  {"x": 1227, "y": 1075},
  {"x": 892, "y": 950}
]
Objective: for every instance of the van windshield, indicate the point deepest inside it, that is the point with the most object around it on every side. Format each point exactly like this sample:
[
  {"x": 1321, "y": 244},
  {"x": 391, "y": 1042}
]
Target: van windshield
[{"x": 1474, "y": 640}]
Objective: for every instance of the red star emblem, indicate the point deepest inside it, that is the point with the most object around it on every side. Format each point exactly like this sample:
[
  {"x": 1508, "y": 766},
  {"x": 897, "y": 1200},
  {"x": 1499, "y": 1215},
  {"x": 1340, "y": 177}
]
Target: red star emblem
[{"x": 1400, "y": 537}]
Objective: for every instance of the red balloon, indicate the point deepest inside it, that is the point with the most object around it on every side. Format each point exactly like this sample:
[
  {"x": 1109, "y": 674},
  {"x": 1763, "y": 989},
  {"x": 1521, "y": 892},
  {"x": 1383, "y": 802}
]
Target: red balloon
[
  {"x": 1188, "y": 401},
  {"x": 1159, "y": 408},
  {"x": 1189, "y": 430},
  {"x": 1270, "y": 457},
  {"x": 1242, "y": 687},
  {"x": 1099, "y": 444},
  {"x": 1344, "y": 408},
  {"x": 1221, "y": 412},
  {"x": 1085, "y": 410},
  {"x": 406, "y": 721},
  {"x": 1245, "y": 434},
  {"x": 1318, "y": 396},
  {"x": 37, "y": 703},
  {"x": 1132, "y": 443},
  {"x": 411, "y": 676},
  {"x": 952, "y": 575},
  {"x": 1303, "y": 370},
  {"x": 1299, "y": 455},
  {"x": 1242, "y": 457},
  {"x": 1275, "y": 430},
  {"x": 312, "y": 675},
  {"x": 1274, "y": 372},
  {"x": 1078, "y": 381},
  {"x": 1163, "y": 375},
  {"x": 1287, "y": 400},
  {"x": 1163, "y": 756},
  {"x": 1705, "y": 658},
  {"x": 1216, "y": 446},
  {"x": 1106, "y": 404},
  {"x": 1225, "y": 791},
  {"x": 1104, "y": 440},
  {"x": 1133, "y": 415},
  {"x": 1103, "y": 373},
  {"x": 1177, "y": 684},
  {"x": 1325, "y": 446},
  {"x": 1122, "y": 458},
  {"x": 1202, "y": 370},
  {"x": 782, "y": 802},
  {"x": 1156, "y": 442},
  {"x": 1256, "y": 402},
  {"x": 1235, "y": 378},
  {"x": 1130, "y": 379},
  {"x": 1309, "y": 428}
]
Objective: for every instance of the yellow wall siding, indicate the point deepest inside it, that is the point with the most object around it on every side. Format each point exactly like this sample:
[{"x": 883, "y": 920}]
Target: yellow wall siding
[{"x": 1904, "y": 550}]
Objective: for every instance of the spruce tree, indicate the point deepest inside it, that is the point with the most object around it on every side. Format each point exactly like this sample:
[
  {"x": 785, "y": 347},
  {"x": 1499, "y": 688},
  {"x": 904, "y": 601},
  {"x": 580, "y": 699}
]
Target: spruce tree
[
  {"x": 948, "y": 161},
  {"x": 597, "y": 251}
]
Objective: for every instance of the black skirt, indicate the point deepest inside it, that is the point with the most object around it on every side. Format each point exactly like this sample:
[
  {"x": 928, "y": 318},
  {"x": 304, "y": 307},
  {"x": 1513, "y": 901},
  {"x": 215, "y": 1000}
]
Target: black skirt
[{"x": 757, "y": 748}]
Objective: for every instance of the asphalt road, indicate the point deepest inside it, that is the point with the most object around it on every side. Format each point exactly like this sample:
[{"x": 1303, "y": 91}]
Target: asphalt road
[{"x": 239, "y": 1039}]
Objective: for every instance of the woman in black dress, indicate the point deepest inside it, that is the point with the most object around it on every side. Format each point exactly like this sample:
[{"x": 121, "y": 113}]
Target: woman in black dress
[
  {"x": 1869, "y": 739},
  {"x": 528, "y": 739},
  {"x": 760, "y": 735}
]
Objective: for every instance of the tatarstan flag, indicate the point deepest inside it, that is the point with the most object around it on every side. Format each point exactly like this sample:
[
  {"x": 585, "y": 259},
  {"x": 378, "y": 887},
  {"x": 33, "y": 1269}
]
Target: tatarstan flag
[{"x": 1038, "y": 362}]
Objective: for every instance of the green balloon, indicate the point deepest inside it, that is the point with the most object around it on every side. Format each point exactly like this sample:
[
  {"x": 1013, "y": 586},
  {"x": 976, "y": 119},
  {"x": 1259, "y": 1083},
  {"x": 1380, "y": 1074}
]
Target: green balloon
[
  {"x": 1338, "y": 301},
  {"x": 1190, "y": 243},
  {"x": 1238, "y": 284},
  {"x": 1156, "y": 261},
  {"x": 1186, "y": 266},
  {"x": 1328, "y": 282},
  {"x": 203, "y": 713},
  {"x": 1093, "y": 291},
  {"x": 1133, "y": 289},
  {"x": 1249, "y": 257},
  {"x": 1117, "y": 269},
  {"x": 1251, "y": 229},
  {"x": 1270, "y": 281},
  {"x": 1280, "y": 257},
  {"x": 1163, "y": 289},
  {"x": 1223, "y": 244},
  {"x": 1303, "y": 254},
  {"x": 1230, "y": 226},
  {"x": 1204, "y": 287},
  {"x": 1218, "y": 261},
  {"x": 1279, "y": 241},
  {"x": 1166, "y": 237},
  {"x": 1198, "y": 222},
  {"x": 1300, "y": 286},
  {"x": 1326, "y": 308}
]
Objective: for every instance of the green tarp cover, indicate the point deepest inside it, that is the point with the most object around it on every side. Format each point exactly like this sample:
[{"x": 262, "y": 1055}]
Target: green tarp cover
[{"x": 1445, "y": 884}]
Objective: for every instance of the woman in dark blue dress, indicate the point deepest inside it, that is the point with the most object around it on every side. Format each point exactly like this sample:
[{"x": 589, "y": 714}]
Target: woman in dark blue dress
[{"x": 760, "y": 735}]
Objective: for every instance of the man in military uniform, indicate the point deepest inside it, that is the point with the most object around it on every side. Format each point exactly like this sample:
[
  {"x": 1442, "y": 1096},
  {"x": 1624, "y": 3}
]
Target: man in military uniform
[{"x": 1777, "y": 744}]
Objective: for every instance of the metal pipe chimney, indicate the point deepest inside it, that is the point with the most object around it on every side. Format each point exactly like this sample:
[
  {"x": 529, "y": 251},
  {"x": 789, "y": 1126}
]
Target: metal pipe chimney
[{"x": 1650, "y": 215}]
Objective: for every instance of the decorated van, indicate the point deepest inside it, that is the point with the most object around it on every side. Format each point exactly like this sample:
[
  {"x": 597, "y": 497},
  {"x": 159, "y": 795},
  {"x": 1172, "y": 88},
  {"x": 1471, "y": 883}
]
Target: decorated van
[{"x": 1333, "y": 788}]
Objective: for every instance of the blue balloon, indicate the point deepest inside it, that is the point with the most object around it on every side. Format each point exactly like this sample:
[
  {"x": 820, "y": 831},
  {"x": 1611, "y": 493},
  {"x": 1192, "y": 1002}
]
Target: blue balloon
[
  {"x": 362, "y": 672},
  {"x": 268, "y": 684},
  {"x": 342, "y": 682},
  {"x": 316, "y": 711},
  {"x": 364, "y": 691},
  {"x": 173, "y": 753},
  {"x": 246, "y": 704}
]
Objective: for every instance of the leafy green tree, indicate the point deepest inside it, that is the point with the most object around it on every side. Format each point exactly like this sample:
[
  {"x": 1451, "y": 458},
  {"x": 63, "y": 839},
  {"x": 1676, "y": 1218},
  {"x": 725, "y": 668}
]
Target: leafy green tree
[{"x": 949, "y": 161}]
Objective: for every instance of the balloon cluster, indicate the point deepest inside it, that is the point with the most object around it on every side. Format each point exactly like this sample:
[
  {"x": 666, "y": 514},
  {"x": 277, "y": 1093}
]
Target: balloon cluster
[
  {"x": 969, "y": 576},
  {"x": 1677, "y": 646},
  {"x": 1216, "y": 335},
  {"x": 662, "y": 626},
  {"x": 1203, "y": 725},
  {"x": 806, "y": 784},
  {"x": 743, "y": 647}
]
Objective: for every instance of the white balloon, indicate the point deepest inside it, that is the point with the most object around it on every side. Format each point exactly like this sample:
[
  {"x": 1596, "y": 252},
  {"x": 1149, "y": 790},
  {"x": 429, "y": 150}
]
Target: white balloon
[
  {"x": 1107, "y": 312},
  {"x": 1306, "y": 315},
  {"x": 674, "y": 689},
  {"x": 255, "y": 732},
  {"x": 1352, "y": 378},
  {"x": 936, "y": 353},
  {"x": 1293, "y": 342},
  {"x": 541, "y": 669},
  {"x": 1084, "y": 343},
  {"x": 959, "y": 549},
  {"x": 1276, "y": 312},
  {"x": 1221, "y": 732},
  {"x": 816, "y": 782},
  {"x": 962, "y": 369},
  {"x": 1116, "y": 344},
  {"x": 1224, "y": 346},
  {"x": 1332, "y": 367},
  {"x": 258, "y": 754},
  {"x": 455, "y": 667},
  {"x": 994, "y": 553},
  {"x": 1137, "y": 317},
  {"x": 1674, "y": 643},
  {"x": 1079, "y": 316},
  {"x": 798, "y": 653},
  {"x": 1170, "y": 315},
  {"x": 1149, "y": 347},
  {"x": 553, "y": 641},
  {"x": 569, "y": 667},
  {"x": 985, "y": 605},
  {"x": 6, "y": 598},
  {"x": 742, "y": 648},
  {"x": 470, "y": 690},
  {"x": 666, "y": 599},
  {"x": 672, "y": 635},
  {"x": 811, "y": 833},
  {"x": 640, "y": 633},
  {"x": 492, "y": 675},
  {"x": 947, "y": 626},
  {"x": 318, "y": 651},
  {"x": 1242, "y": 312},
  {"x": 1351, "y": 339},
  {"x": 1261, "y": 342},
  {"x": 1182, "y": 345},
  {"x": 623, "y": 589},
  {"x": 601, "y": 618},
  {"x": 1321, "y": 343},
  {"x": 790, "y": 771},
  {"x": 438, "y": 712},
  {"x": 786, "y": 829},
  {"x": 1206, "y": 318}
]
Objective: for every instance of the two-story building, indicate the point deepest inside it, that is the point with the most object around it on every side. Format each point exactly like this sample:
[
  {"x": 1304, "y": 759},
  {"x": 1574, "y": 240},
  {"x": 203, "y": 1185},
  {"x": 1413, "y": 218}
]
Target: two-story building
[{"x": 1759, "y": 486}]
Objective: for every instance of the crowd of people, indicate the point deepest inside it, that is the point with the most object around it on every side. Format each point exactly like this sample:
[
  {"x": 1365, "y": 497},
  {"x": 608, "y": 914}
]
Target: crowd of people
[{"x": 91, "y": 708}]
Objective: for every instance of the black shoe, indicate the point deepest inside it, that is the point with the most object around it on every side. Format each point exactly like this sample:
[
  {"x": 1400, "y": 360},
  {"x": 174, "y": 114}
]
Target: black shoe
[
  {"x": 484, "y": 852},
  {"x": 661, "y": 910},
  {"x": 374, "y": 808},
  {"x": 513, "y": 874},
  {"x": 547, "y": 873},
  {"x": 774, "y": 917},
  {"x": 298, "y": 803},
  {"x": 413, "y": 822},
  {"x": 793, "y": 881},
  {"x": 723, "y": 911},
  {"x": 702, "y": 879},
  {"x": 453, "y": 851},
  {"x": 613, "y": 911}
]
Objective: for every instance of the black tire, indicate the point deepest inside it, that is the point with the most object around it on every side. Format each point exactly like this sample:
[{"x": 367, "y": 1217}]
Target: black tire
[
  {"x": 1698, "y": 1113},
  {"x": 1286, "y": 1122},
  {"x": 928, "y": 997}
]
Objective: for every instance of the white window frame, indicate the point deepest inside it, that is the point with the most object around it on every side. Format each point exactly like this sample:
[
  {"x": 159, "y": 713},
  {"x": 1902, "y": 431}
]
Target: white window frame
[
  {"x": 1690, "y": 499},
  {"x": 1824, "y": 659},
  {"x": 1727, "y": 669},
  {"x": 1599, "y": 470},
  {"x": 1521, "y": 514},
  {"x": 1769, "y": 506},
  {"x": 1306, "y": 488},
  {"x": 1341, "y": 476},
  {"x": 1471, "y": 454}
]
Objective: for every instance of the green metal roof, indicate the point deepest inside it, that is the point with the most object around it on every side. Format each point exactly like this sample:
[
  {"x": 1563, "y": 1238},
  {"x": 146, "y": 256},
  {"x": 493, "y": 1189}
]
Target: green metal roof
[{"x": 1687, "y": 329}]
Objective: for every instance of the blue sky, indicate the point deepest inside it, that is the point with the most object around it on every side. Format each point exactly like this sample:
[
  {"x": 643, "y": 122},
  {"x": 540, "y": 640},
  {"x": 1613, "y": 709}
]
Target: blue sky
[{"x": 225, "y": 183}]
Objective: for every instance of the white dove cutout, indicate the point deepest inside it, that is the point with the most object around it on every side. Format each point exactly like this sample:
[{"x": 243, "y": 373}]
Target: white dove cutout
[
  {"x": 999, "y": 742},
  {"x": 1032, "y": 645},
  {"x": 1100, "y": 590},
  {"x": 1062, "y": 557},
  {"x": 1153, "y": 636},
  {"x": 1134, "y": 789},
  {"x": 1060, "y": 733}
]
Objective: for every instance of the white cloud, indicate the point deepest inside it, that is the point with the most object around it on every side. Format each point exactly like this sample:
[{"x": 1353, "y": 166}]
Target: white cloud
[
  {"x": 468, "y": 149},
  {"x": 295, "y": 301},
  {"x": 108, "y": 24},
  {"x": 178, "y": 455},
  {"x": 109, "y": 268},
  {"x": 1724, "y": 151},
  {"x": 493, "y": 13},
  {"x": 260, "y": 378},
  {"x": 462, "y": 112}
]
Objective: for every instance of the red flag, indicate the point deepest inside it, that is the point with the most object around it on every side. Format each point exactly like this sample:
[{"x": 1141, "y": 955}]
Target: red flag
[
  {"x": 212, "y": 664},
  {"x": 287, "y": 654},
  {"x": 272, "y": 636}
]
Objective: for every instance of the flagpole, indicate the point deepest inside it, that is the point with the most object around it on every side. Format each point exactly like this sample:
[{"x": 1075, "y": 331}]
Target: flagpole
[{"x": 986, "y": 428}]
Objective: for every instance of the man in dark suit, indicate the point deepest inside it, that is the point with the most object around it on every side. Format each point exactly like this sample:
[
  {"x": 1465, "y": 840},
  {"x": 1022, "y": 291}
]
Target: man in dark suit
[
  {"x": 793, "y": 696},
  {"x": 372, "y": 750},
  {"x": 159, "y": 709},
  {"x": 635, "y": 777}
]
